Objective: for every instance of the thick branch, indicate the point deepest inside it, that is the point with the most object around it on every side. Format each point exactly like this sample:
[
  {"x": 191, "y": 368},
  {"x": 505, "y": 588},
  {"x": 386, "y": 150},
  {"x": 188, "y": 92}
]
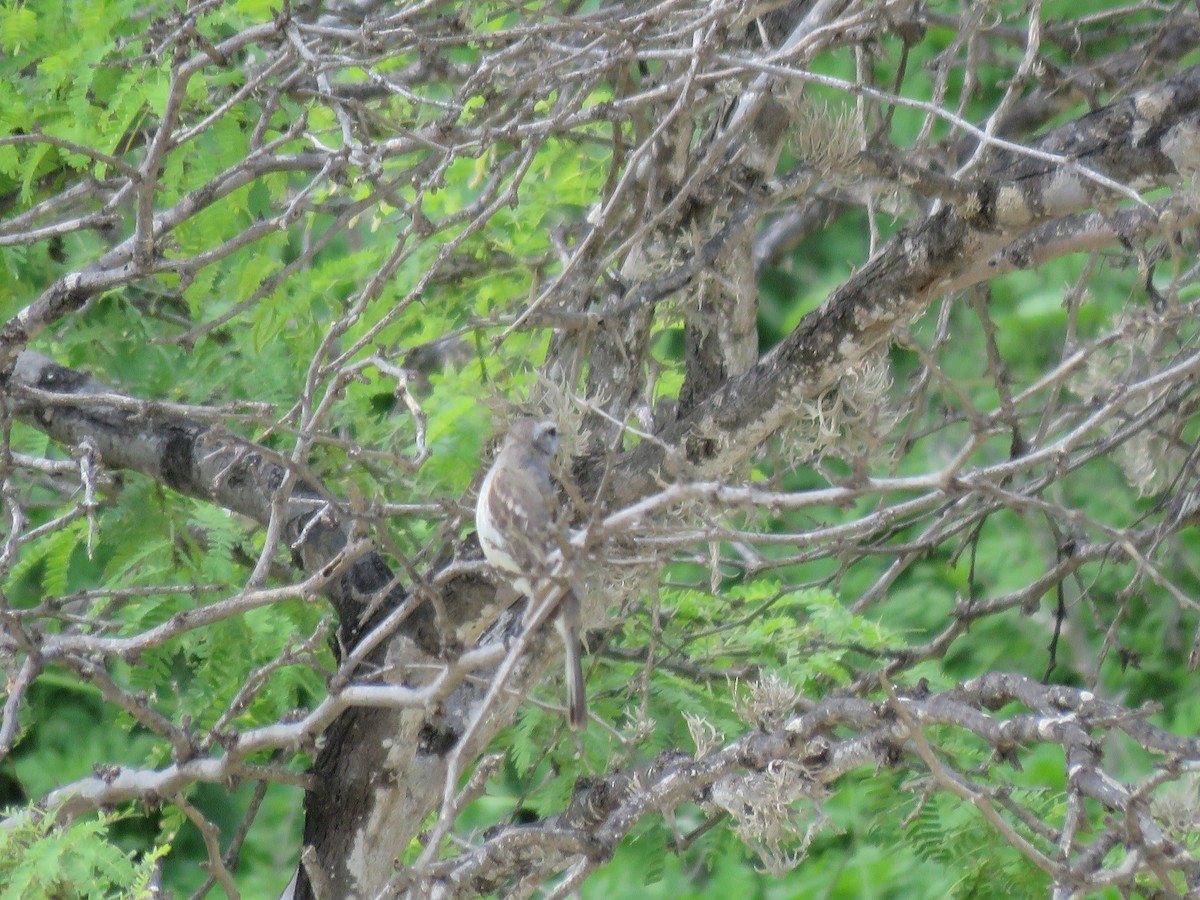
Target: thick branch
[
  {"x": 603, "y": 811},
  {"x": 1149, "y": 139}
]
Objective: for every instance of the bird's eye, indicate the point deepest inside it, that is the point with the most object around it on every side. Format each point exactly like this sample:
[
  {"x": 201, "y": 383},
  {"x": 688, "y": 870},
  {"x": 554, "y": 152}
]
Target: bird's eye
[{"x": 552, "y": 431}]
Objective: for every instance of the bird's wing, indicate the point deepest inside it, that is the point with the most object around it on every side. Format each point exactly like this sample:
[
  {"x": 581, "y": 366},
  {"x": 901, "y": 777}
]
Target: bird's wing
[{"x": 520, "y": 508}]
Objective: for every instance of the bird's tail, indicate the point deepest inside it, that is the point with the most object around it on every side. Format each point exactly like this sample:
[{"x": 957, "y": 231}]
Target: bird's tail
[{"x": 568, "y": 626}]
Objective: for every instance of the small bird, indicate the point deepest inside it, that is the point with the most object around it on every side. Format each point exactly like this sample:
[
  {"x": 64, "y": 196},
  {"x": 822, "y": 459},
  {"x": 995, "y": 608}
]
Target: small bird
[{"x": 515, "y": 521}]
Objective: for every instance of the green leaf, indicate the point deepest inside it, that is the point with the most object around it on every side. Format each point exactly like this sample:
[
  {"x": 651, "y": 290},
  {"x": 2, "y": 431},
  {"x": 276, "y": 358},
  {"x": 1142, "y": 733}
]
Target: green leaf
[
  {"x": 39, "y": 859},
  {"x": 18, "y": 27},
  {"x": 58, "y": 556},
  {"x": 53, "y": 549},
  {"x": 32, "y": 169}
]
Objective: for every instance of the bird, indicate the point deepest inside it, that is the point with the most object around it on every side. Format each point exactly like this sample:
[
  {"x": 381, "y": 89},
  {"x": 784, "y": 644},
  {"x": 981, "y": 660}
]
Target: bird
[{"x": 518, "y": 531}]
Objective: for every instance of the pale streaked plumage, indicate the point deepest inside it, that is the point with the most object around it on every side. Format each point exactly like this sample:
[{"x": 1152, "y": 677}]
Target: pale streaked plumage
[{"x": 515, "y": 522}]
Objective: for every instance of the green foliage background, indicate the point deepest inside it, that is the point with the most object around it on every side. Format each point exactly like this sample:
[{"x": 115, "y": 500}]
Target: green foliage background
[{"x": 72, "y": 71}]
